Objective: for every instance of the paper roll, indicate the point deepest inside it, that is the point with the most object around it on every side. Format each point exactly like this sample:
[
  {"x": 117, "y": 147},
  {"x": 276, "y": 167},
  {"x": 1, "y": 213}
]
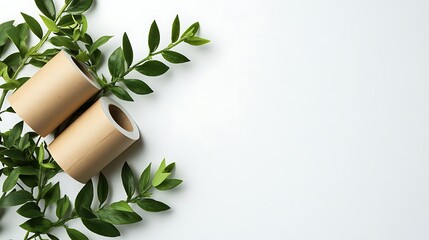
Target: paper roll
[
  {"x": 94, "y": 139},
  {"x": 56, "y": 91}
]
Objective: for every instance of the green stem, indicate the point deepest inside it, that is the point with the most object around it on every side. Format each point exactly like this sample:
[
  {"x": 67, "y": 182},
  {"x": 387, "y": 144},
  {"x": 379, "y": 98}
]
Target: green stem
[
  {"x": 26, "y": 235},
  {"x": 32, "y": 51}
]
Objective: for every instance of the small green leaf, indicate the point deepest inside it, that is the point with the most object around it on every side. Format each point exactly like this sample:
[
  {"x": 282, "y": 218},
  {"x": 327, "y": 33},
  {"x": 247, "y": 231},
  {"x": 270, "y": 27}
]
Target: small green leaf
[
  {"x": 37, "y": 225},
  {"x": 52, "y": 237},
  {"x": 33, "y": 24},
  {"x": 128, "y": 49},
  {"x": 83, "y": 57},
  {"x": 121, "y": 93},
  {"x": 152, "y": 205},
  {"x": 50, "y": 24},
  {"x": 11, "y": 180},
  {"x": 168, "y": 184},
  {"x": 63, "y": 207},
  {"x": 152, "y": 68},
  {"x": 144, "y": 179},
  {"x": 15, "y": 198},
  {"x": 191, "y": 31},
  {"x": 100, "y": 227},
  {"x": 121, "y": 206},
  {"x": 47, "y": 7},
  {"x": 116, "y": 63},
  {"x": 19, "y": 35},
  {"x": 159, "y": 178},
  {"x": 102, "y": 188},
  {"x": 128, "y": 180},
  {"x": 79, "y": 6},
  {"x": 40, "y": 154},
  {"x": 30, "y": 210},
  {"x": 64, "y": 42},
  {"x": 174, "y": 57},
  {"x": 118, "y": 217},
  {"x": 175, "y": 29},
  {"x": 53, "y": 195},
  {"x": 75, "y": 234},
  {"x": 98, "y": 43},
  {"x": 3, "y": 28},
  {"x": 137, "y": 86},
  {"x": 196, "y": 41},
  {"x": 160, "y": 174},
  {"x": 169, "y": 168},
  {"x": 84, "y": 197},
  {"x": 154, "y": 38}
]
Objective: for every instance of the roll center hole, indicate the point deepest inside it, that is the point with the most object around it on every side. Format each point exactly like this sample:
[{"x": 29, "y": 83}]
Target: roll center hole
[{"x": 120, "y": 118}]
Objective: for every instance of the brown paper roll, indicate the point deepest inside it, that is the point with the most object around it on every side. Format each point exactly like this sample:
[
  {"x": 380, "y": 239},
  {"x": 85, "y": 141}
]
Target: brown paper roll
[
  {"x": 91, "y": 142},
  {"x": 56, "y": 91}
]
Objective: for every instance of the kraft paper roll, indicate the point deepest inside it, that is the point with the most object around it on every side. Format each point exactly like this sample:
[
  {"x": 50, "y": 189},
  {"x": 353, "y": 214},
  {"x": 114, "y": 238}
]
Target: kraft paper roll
[
  {"x": 94, "y": 139},
  {"x": 56, "y": 91}
]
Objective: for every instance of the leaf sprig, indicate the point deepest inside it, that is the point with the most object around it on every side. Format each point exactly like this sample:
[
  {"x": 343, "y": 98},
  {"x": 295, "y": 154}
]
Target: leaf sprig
[{"x": 24, "y": 157}]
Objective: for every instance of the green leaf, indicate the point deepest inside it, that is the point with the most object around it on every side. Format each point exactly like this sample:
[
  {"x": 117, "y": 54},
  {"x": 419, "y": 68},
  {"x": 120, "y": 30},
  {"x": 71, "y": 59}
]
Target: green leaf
[
  {"x": 118, "y": 217},
  {"x": 3, "y": 28},
  {"x": 168, "y": 184},
  {"x": 128, "y": 49},
  {"x": 50, "y": 24},
  {"x": 152, "y": 205},
  {"x": 53, "y": 195},
  {"x": 64, "y": 42},
  {"x": 169, "y": 168},
  {"x": 121, "y": 206},
  {"x": 84, "y": 26},
  {"x": 196, "y": 41},
  {"x": 79, "y": 6},
  {"x": 100, "y": 227},
  {"x": 84, "y": 197},
  {"x": 191, "y": 31},
  {"x": 98, "y": 43},
  {"x": 33, "y": 24},
  {"x": 174, "y": 57},
  {"x": 83, "y": 57},
  {"x": 144, "y": 179},
  {"x": 11, "y": 180},
  {"x": 75, "y": 234},
  {"x": 154, "y": 38},
  {"x": 102, "y": 188},
  {"x": 137, "y": 86},
  {"x": 175, "y": 29},
  {"x": 30, "y": 210},
  {"x": 19, "y": 35},
  {"x": 40, "y": 154},
  {"x": 86, "y": 213},
  {"x": 152, "y": 68},
  {"x": 160, "y": 175},
  {"x": 13, "y": 60},
  {"x": 52, "y": 237},
  {"x": 15, "y": 198},
  {"x": 121, "y": 93},
  {"x": 128, "y": 180},
  {"x": 47, "y": 7},
  {"x": 63, "y": 207},
  {"x": 37, "y": 225},
  {"x": 116, "y": 63}
]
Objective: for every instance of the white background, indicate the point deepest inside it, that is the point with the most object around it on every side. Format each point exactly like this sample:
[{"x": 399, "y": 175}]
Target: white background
[{"x": 300, "y": 120}]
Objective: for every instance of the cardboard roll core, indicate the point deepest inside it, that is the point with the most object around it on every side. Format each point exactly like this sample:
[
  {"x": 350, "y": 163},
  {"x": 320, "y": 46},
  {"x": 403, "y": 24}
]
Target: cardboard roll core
[{"x": 94, "y": 139}]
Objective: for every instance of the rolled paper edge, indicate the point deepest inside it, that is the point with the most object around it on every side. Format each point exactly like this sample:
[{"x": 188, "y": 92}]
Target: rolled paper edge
[{"x": 133, "y": 135}]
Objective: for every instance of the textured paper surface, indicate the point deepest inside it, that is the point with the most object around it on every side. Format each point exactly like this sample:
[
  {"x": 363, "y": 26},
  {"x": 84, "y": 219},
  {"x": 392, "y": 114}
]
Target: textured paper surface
[
  {"x": 91, "y": 142},
  {"x": 56, "y": 91}
]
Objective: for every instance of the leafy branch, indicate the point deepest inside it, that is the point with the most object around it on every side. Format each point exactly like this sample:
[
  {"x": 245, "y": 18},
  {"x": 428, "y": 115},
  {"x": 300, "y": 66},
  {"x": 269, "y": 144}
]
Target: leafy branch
[{"x": 26, "y": 161}]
